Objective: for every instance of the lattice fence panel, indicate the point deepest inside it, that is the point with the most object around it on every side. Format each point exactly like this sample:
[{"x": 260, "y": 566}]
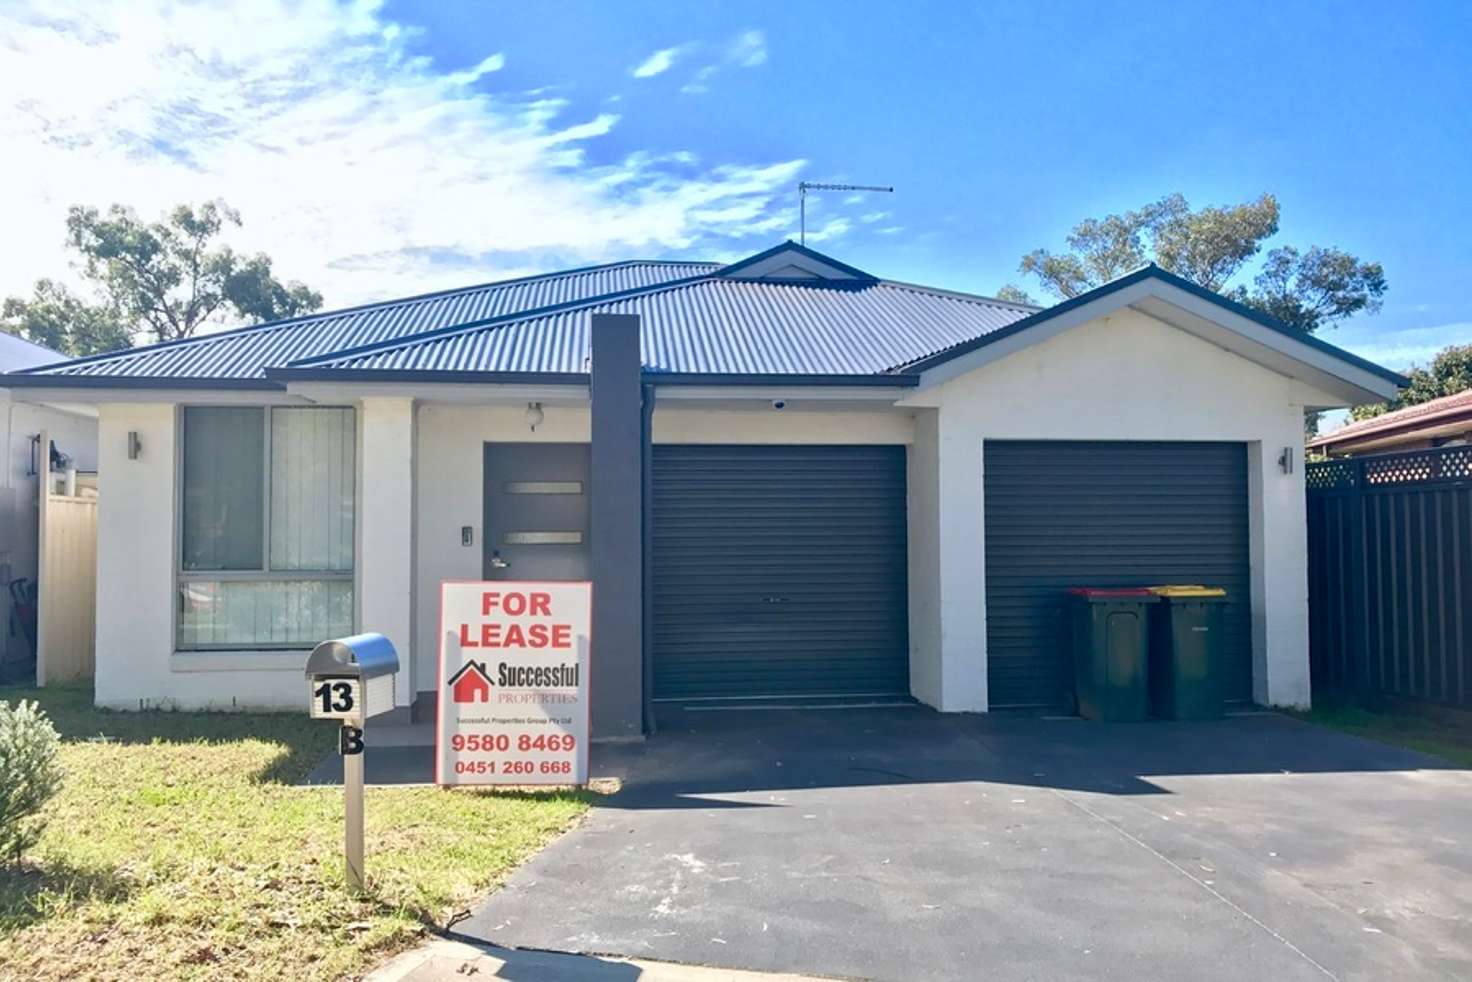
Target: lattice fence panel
[{"x": 1330, "y": 475}]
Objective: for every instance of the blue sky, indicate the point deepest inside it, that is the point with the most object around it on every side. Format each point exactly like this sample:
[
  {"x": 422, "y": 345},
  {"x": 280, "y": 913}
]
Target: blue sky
[{"x": 381, "y": 149}]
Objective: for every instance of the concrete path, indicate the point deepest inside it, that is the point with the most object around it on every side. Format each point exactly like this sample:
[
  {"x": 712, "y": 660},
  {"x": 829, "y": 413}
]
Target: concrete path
[
  {"x": 454, "y": 961},
  {"x": 903, "y": 844}
]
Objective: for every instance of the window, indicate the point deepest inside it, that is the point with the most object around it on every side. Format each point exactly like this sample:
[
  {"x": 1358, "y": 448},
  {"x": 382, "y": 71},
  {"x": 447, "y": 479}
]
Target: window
[{"x": 266, "y": 537}]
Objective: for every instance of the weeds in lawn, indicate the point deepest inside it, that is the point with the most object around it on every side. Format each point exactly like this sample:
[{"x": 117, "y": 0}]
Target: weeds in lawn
[{"x": 180, "y": 846}]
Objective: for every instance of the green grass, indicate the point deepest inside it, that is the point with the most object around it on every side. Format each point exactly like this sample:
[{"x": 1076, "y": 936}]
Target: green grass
[
  {"x": 1443, "y": 738},
  {"x": 180, "y": 848}
]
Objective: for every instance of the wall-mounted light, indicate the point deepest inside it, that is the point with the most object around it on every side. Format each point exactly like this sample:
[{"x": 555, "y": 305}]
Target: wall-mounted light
[
  {"x": 135, "y": 445},
  {"x": 534, "y": 415},
  {"x": 1285, "y": 460}
]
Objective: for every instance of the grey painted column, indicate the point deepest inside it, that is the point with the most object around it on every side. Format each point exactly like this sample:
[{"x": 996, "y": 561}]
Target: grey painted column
[{"x": 617, "y": 528}]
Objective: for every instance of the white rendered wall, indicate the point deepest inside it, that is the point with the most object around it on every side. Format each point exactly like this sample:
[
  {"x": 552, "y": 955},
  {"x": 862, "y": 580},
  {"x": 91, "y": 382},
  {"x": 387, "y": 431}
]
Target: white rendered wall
[
  {"x": 1123, "y": 377},
  {"x": 386, "y": 503},
  {"x": 924, "y": 534},
  {"x": 135, "y": 556}
]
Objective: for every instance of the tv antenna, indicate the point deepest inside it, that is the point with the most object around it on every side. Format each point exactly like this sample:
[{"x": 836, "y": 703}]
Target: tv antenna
[{"x": 803, "y": 187}]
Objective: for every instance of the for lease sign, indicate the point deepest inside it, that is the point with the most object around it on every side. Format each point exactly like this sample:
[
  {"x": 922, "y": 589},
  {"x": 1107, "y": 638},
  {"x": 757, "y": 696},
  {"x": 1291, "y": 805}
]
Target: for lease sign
[{"x": 513, "y": 691}]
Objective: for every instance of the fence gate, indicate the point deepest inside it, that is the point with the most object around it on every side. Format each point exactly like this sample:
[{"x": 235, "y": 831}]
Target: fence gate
[
  {"x": 1390, "y": 575},
  {"x": 66, "y": 577}
]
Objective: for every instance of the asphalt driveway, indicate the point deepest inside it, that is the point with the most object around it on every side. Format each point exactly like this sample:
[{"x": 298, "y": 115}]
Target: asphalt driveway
[{"x": 902, "y": 844}]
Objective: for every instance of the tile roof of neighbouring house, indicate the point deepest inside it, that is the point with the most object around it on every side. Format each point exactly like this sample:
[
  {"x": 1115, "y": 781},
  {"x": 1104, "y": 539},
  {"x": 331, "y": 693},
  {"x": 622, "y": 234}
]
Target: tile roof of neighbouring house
[
  {"x": 1431, "y": 413},
  {"x": 243, "y": 354}
]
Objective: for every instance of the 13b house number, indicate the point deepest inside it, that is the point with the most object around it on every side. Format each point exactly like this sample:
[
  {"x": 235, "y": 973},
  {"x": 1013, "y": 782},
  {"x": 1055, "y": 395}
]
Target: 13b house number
[{"x": 335, "y": 699}]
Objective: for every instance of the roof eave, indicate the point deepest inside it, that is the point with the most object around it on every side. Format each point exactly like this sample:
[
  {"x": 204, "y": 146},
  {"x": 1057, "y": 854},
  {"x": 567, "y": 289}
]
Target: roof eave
[{"x": 17, "y": 380}]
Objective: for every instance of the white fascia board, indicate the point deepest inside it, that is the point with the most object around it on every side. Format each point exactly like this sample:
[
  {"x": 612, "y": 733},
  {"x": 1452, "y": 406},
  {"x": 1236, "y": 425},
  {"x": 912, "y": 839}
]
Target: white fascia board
[
  {"x": 1347, "y": 383},
  {"x": 337, "y": 393},
  {"x": 78, "y": 398}
]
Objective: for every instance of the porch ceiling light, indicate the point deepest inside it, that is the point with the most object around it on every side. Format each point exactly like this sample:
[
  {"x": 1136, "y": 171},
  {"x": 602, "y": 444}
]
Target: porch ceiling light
[{"x": 534, "y": 415}]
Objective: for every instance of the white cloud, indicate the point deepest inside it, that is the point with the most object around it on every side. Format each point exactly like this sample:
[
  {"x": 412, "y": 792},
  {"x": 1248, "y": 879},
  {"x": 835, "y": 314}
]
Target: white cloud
[
  {"x": 830, "y": 230},
  {"x": 659, "y": 62},
  {"x": 361, "y": 167},
  {"x": 1398, "y": 349},
  {"x": 700, "y": 81},
  {"x": 492, "y": 63},
  {"x": 874, "y": 216},
  {"x": 748, "y": 51}
]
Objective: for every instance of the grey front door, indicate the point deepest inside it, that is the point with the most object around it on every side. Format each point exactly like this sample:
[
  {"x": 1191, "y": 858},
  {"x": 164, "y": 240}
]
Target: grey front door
[{"x": 536, "y": 511}]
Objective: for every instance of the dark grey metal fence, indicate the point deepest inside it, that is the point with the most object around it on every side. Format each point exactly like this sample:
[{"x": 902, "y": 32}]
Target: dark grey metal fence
[{"x": 1390, "y": 575}]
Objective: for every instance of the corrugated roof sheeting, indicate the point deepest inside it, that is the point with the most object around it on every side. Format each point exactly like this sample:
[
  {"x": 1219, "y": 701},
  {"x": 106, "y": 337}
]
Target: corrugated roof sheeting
[
  {"x": 246, "y": 353},
  {"x": 720, "y": 326}
]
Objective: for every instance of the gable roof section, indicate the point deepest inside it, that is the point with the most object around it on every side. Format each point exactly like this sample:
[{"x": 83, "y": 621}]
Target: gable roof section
[
  {"x": 716, "y": 325},
  {"x": 1429, "y": 415},
  {"x": 1185, "y": 304},
  {"x": 240, "y": 357},
  {"x": 789, "y": 261}
]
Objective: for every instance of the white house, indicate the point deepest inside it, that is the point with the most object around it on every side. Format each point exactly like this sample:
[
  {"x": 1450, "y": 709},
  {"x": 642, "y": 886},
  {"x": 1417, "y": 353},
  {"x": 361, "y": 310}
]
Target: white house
[{"x": 785, "y": 477}]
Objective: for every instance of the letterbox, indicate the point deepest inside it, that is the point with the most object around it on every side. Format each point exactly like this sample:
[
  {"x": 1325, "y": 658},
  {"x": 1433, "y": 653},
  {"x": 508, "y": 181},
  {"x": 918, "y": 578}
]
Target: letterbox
[{"x": 352, "y": 678}]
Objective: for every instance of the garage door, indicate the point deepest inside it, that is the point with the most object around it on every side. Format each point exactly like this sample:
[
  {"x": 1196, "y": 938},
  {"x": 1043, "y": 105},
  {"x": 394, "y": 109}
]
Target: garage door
[
  {"x": 778, "y": 571},
  {"x": 1061, "y": 514}
]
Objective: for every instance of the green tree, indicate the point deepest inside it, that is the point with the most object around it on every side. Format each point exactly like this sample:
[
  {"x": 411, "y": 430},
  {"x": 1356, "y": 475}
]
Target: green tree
[
  {"x": 1450, "y": 372},
  {"x": 164, "y": 279},
  {"x": 59, "y": 319},
  {"x": 1307, "y": 290}
]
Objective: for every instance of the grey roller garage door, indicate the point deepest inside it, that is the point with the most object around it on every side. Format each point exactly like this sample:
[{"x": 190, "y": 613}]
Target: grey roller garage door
[
  {"x": 1061, "y": 514},
  {"x": 779, "y": 570}
]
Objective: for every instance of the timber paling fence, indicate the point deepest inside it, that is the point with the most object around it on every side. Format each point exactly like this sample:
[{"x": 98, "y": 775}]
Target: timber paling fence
[{"x": 1390, "y": 575}]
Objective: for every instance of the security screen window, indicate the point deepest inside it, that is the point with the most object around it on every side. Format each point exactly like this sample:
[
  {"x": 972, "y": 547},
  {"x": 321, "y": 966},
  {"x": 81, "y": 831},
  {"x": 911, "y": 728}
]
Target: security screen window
[{"x": 266, "y": 536}]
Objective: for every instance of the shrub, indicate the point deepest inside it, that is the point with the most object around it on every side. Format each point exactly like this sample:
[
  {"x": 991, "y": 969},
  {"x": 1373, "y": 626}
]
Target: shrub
[{"x": 29, "y": 774}]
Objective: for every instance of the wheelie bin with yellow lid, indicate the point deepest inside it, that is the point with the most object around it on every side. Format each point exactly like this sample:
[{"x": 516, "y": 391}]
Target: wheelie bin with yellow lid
[{"x": 1186, "y": 678}]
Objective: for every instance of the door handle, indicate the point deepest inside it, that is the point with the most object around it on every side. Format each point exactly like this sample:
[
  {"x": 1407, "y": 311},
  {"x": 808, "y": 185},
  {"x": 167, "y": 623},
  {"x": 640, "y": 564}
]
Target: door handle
[{"x": 497, "y": 562}]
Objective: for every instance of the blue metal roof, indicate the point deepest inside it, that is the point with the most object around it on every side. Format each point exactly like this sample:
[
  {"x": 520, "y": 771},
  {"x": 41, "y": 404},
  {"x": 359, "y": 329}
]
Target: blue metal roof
[
  {"x": 710, "y": 326},
  {"x": 241, "y": 356},
  {"x": 805, "y": 317}
]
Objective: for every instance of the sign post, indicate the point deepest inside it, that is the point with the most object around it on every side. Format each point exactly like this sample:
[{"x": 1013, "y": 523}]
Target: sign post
[
  {"x": 349, "y": 680},
  {"x": 513, "y": 683}
]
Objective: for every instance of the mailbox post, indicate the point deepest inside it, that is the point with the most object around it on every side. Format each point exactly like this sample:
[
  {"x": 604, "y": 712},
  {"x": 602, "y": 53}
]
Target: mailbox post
[{"x": 351, "y": 679}]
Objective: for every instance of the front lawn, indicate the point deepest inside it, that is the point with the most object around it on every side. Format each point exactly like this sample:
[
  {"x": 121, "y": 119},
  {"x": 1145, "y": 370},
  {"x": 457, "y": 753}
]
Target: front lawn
[
  {"x": 180, "y": 847},
  {"x": 1441, "y": 737}
]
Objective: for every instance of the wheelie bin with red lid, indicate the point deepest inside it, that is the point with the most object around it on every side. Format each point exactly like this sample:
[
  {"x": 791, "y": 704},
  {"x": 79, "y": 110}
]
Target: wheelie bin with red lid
[{"x": 1109, "y": 633}]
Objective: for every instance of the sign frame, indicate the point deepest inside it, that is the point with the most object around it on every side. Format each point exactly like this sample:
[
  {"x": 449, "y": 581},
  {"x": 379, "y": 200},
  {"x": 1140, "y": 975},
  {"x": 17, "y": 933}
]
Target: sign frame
[{"x": 585, "y": 659}]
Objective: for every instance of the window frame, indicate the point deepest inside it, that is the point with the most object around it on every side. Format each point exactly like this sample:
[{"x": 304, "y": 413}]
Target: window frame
[{"x": 264, "y": 574}]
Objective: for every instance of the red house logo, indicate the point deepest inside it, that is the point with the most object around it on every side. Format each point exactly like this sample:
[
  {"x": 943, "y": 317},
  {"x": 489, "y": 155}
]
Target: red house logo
[{"x": 470, "y": 684}]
